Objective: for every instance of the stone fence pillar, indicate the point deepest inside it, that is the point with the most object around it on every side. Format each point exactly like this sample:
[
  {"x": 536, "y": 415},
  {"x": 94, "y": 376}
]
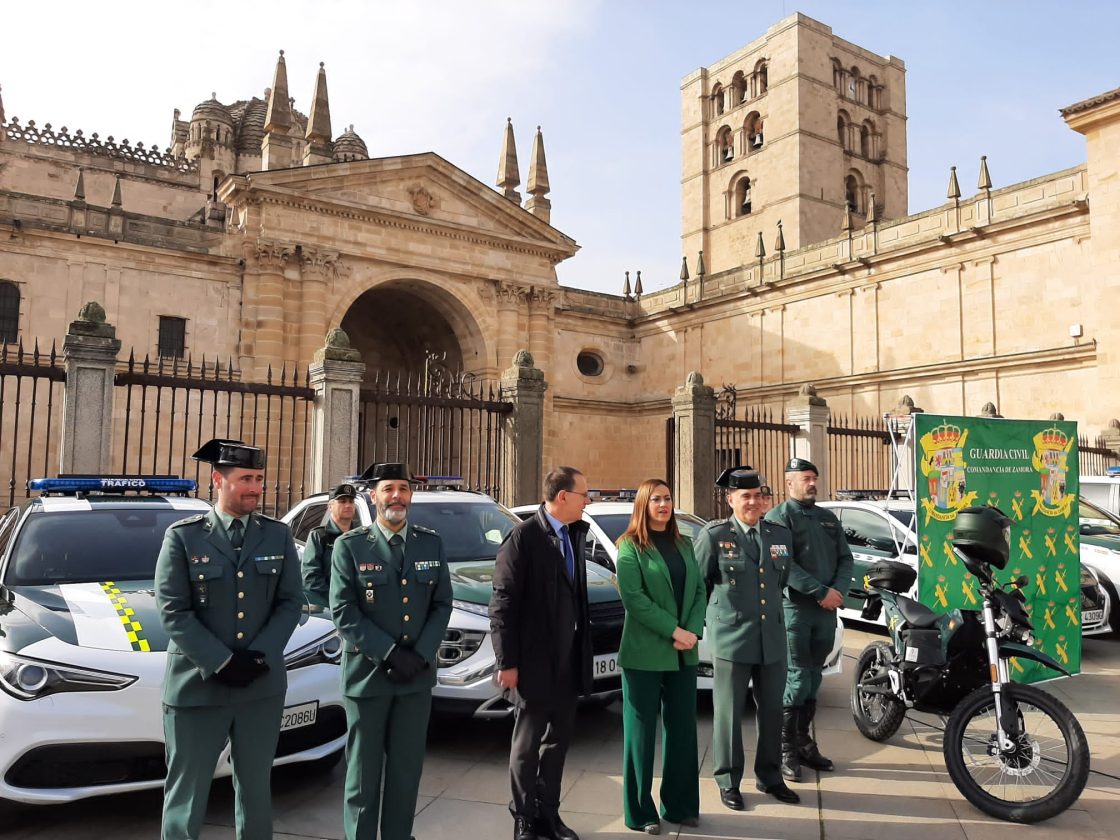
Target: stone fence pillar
[
  {"x": 694, "y": 423},
  {"x": 89, "y": 354},
  {"x": 336, "y": 373},
  {"x": 904, "y": 448},
  {"x": 1110, "y": 437},
  {"x": 810, "y": 412},
  {"x": 523, "y": 443}
]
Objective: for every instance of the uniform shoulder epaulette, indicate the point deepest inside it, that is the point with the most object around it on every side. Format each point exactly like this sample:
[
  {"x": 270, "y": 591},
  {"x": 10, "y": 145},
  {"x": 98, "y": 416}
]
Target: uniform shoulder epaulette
[
  {"x": 353, "y": 532},
  {"x": 716, "y": 523},
  {"x": 264, "y": 516},
  {"x": 421, "y": 529},
  {"x": 190, "y": 520},
  {"x": 776, "y": 524}
]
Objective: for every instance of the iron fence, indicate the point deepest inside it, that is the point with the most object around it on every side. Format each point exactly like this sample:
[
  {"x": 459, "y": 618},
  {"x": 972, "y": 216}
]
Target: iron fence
[
  {"x": 859, "y": 454},
  {"x": 31, "y": 389},
  {"x": 758, "y": 439},
  {"x": 170, "y": 407},
  {"x": 1095, "y": 458},
  {"x": 441, "y": 423}
]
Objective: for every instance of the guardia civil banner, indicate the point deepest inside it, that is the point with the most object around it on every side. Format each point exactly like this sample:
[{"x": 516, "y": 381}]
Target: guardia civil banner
[{"x": 1029, "y": 470}]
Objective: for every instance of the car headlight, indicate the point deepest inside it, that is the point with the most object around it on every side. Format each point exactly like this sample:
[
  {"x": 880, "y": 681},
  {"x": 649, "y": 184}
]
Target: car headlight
[
  {"x": 327, "y": 650},
  {"x": 468, "y": 606},
  {"x": 458, "y": 645},
  {"x": 1088, "y": 577},
  {"x": 30, "y": 679}
]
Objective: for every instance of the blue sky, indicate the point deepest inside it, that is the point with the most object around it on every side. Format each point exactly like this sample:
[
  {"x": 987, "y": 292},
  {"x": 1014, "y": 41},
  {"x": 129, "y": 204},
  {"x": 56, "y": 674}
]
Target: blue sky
[{"x": 602, "y": 77}]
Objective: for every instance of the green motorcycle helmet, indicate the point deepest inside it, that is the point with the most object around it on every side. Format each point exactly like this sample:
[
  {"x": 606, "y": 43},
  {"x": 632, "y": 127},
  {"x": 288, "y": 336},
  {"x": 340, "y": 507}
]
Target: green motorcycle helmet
[{"x": 984, "y": 533}]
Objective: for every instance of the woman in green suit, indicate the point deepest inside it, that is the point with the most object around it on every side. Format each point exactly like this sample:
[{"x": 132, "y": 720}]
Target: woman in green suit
[{"x": 664, "y": 597}]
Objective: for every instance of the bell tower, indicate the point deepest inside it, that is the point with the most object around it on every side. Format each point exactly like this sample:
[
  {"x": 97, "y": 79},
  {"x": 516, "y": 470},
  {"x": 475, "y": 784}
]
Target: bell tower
[{"x": 792, "y": 127}]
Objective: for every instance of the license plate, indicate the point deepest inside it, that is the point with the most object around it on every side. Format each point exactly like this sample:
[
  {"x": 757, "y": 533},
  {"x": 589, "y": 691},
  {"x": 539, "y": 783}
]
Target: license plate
[
  {"x": 302, "y": 715},
  {"x": 1092, "y": 617},
  {"x": 605, "y": 665}
]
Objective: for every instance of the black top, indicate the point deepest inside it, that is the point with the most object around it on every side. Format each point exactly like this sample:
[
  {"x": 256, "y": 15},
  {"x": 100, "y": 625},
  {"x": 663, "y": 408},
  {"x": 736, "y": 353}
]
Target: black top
[{"x": 669, "y": 552}]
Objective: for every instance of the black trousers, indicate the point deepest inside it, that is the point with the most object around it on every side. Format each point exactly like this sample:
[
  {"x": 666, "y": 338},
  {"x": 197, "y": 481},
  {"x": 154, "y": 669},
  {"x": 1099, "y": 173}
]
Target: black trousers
[{"x": 537, "y": 752}]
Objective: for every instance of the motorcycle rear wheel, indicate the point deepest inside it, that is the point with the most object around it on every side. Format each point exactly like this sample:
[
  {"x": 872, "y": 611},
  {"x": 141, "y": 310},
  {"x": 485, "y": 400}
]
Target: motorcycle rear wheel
[
  {"x": 1040, "y": 779},
  {"x": 877, "y": 716}
]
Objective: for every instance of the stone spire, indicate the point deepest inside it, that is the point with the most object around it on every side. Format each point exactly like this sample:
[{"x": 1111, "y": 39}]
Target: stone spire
[
  {"x": 984, "y": 182},
  {"x": 954, "y": 191},
  {"x": 116, "y": 202},
  {"x": 538, "y": 205},
  {"x": 277, "y": 146},
  {"x": 319, "y": 135},
  {"x": 80, "y": 188},
  {"x": 508, "y": 176}
]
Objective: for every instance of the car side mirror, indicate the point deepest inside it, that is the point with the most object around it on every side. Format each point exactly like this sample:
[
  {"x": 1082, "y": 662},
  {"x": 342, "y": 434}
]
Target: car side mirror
[{"x": 882, "y": 544}]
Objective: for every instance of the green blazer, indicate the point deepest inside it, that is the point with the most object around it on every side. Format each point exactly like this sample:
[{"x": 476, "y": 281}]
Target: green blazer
[
  {"x": 213, "y": 602},
  {"x": 651, "y": 608},
  {"x": 377, "y": 605},
  {"x": 746, "y": 621}
]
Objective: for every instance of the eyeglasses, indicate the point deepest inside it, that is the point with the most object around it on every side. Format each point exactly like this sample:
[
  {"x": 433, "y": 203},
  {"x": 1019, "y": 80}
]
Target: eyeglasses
[{"x": 576, "y": 492}]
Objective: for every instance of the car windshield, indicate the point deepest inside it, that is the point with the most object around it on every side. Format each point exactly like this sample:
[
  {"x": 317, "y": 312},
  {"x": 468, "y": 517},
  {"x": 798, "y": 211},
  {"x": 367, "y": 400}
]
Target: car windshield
[
  {"x": 1096, "y": 522},
  {"x": 470, "y": 530},
  {"x": 613, "y": 524},
  {"x": 83, "y": 546},
  {"x": 906, "y": 517}
]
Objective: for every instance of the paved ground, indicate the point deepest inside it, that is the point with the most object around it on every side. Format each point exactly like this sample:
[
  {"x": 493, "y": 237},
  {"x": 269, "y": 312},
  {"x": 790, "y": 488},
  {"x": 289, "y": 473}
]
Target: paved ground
[{"x": 878, "y": 789}]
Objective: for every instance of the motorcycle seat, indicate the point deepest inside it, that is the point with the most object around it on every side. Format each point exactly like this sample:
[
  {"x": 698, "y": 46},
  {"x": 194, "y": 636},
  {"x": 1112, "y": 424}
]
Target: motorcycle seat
[{"x": 915, "y": 613}]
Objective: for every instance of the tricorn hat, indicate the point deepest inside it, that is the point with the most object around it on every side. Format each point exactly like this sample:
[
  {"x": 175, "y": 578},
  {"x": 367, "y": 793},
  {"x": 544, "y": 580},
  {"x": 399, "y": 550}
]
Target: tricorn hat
[
  {"x": 801, "y": 465},
  {"x": 739, "y": 478},
  {"x": 343, "y": 491},
  {"x": 388, "y": 472},
  {"x": 230, "y": 453}
]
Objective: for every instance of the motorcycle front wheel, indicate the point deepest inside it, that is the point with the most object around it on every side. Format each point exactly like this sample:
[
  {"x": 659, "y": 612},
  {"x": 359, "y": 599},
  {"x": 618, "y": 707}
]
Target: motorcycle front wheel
[
  {"x": 877, "y": 715},
  {"x": 1040, "y": 777}
]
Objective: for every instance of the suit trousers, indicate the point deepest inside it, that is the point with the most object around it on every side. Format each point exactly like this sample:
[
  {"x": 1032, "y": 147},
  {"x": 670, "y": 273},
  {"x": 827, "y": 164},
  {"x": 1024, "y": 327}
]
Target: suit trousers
[
  {"x": 810, "y": 631},
  {"x": 539, "y": 746},
  {"x": 729, "y": 694},
  {"x": 195, "y": 736},
  {"x": 386, "y": 736},
  {"x": 646, "y": 695}
]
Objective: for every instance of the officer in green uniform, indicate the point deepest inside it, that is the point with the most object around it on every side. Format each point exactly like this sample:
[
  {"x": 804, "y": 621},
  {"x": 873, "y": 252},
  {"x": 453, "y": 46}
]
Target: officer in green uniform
[
  {"x": 745, "y": 561},
  {"x": 320, "y": 544},
  {"x": 229, "y": 596},
  {"x": 820, "y": 575},
  {"x": 390, "y": 597}
]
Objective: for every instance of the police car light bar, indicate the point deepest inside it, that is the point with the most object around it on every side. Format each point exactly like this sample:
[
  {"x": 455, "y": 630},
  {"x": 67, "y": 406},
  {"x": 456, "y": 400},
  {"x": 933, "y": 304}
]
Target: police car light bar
[
  {"x": 1113, "y": 472},
  {"x": 113, "y": 484},
  {"x": 445, "y": 480}
]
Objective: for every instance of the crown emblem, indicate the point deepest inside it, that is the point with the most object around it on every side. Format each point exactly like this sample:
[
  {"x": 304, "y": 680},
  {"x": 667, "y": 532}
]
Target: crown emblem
[{"x": 1051, "y": 440}]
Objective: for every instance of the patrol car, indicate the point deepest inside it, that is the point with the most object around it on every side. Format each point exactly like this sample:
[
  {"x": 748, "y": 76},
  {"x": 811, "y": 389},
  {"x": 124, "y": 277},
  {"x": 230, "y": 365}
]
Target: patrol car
[
  {"x": 608, "y": 521},
  {"x": 1102, "y": 490},
  {"x": 473, "y": 526},
  {"x": 878, "y": 529},
  {"x": 1100, "y": 550},
  {"x": 82, "y": 652}
]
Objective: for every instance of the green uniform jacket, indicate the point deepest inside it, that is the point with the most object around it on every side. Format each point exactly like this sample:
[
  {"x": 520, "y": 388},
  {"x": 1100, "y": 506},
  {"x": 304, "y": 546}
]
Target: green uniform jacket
[
  {"x": 651, "y": 608},
  {"x": 317, "y": 563},
  {"x": 212, "y": 604},
  {"x": 745, "y": 618},
  {"x": 821, "y": 557},
  {"x": 375, "y": 606}
]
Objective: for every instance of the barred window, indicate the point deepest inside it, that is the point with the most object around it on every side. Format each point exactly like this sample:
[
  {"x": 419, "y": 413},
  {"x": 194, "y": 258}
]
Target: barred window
[
  {"x": 172, "y": 336},
  {"x": 9, "y": 312}
]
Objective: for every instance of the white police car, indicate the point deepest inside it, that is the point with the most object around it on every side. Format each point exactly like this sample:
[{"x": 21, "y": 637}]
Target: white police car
[
  {"x": 608, "y": 521},
  {"x": 82, "y": 652},
  {"x": 473, "y": 526}
]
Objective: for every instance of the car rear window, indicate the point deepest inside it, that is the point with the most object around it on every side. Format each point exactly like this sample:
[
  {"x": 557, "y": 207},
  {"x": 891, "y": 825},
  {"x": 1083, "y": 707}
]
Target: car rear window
[
  {"x": 614, "y": 524},
  {"x": 470, "y": 530},
  {"x": 85, "y": 546},
  {"x": 906, "y": 517}
]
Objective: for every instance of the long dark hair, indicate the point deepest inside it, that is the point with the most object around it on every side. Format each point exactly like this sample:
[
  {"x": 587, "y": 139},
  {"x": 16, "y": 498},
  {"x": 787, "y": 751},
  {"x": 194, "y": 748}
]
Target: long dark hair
[{"x": 638, "y": 529}]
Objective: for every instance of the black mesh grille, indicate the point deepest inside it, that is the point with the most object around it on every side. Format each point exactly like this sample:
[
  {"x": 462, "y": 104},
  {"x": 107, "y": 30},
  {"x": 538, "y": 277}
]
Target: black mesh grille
[
  {"x": 606, "y": 626},
  {"x": 87, "y": 765}
]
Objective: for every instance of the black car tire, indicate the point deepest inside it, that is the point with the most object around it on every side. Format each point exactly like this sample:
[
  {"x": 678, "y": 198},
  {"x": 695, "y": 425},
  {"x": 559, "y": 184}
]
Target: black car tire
[{"x": 883, "y": 726}]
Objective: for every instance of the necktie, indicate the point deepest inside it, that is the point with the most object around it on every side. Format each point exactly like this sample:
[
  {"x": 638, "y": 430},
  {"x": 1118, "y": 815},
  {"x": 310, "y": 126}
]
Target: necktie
[
  {"x": 236, "y": 534},
  {"x": 569, "y": 561},
  {"x": 396, "y": 548},
  {"x": 753, "y": 544}
]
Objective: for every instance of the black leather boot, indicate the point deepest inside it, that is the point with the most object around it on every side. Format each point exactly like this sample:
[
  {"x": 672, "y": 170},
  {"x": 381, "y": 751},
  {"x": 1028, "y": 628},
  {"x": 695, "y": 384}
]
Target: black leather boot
[
  {"x": 791, "y": 764},
  {"x": 807, "y": 750}
]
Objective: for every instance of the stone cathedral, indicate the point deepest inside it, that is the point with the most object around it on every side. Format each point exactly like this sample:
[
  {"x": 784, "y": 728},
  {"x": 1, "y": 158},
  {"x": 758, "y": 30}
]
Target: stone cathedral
[{"x": 260, "y": 228}]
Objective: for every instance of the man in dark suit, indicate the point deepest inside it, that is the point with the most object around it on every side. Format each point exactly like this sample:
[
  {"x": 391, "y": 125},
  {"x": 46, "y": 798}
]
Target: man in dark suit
[
  {"x": 542, "y": 641},
  {"x": 229, "y": 596}
]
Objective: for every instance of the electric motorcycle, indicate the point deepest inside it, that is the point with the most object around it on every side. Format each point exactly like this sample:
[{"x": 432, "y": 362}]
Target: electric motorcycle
[{"x": 1014, "y": 751}]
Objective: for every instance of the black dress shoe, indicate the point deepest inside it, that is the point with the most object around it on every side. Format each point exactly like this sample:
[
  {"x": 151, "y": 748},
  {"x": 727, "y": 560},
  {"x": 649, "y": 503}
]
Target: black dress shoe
[
  {"x": 523, "y": 829},
  {"x": 780, "y": 791},
  {"x": 732, "y": 799},
  {"x": 553, "y": 828}
]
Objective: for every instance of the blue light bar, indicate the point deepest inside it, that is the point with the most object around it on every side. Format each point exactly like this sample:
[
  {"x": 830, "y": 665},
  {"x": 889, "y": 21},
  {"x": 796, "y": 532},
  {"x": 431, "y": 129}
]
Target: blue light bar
[
  {"x": 1112, "y": 471},
  {"x": 441, "y": 479},
  {"x": 114, "y": 484}
]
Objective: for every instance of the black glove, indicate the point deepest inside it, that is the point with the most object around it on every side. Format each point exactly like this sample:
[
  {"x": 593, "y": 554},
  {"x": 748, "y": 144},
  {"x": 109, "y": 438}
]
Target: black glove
[
  {"x": 244, "y": 667},
  {"x": 404, "y": 664}
]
